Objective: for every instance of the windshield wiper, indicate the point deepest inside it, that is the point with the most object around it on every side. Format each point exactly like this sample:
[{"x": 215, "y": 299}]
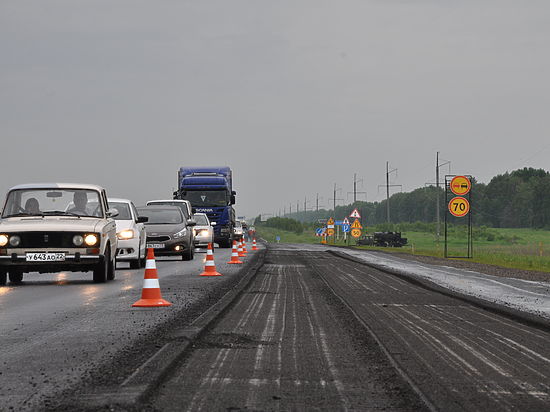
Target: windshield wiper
[
  {"x": 25, "y": 214},
  {"x": 61, "y": 212}
]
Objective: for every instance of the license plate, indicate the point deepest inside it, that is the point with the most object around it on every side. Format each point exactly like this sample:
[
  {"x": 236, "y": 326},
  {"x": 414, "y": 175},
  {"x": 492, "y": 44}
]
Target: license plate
[
  {"x": 45, "y": 257},
  {"x": 156, "y": 245}
]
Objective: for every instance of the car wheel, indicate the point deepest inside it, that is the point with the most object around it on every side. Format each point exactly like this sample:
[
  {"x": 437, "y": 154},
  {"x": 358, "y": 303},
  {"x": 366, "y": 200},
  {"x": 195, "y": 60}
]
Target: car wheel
[
  {"x": 3, "y": 278},
  {"x": 100, "y": 271},
  {"x": 111, "y": 269},
  {"x": 16, "y": 277},
  {"x": 225, "y": 244},
  {"x": 188, "y": 255},
  {"x": 135, "y": 264}
]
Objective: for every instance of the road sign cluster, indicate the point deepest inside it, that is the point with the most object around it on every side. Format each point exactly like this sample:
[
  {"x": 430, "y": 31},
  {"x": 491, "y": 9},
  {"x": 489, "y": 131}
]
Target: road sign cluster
[
  {"x": 459, "y": 206},
  {"x": 347, "y": 227}
]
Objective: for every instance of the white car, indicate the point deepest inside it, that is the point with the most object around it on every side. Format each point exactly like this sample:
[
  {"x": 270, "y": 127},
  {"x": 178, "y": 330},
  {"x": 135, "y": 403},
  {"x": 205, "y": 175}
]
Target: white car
[
  {"x": 204, "y": 230},
  {"x": 131, "y": 234},
  {"x": 57, "y": 227}
]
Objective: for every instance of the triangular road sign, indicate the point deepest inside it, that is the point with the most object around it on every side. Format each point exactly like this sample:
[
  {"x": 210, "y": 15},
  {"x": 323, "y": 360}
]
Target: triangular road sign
[
  {"x": 355, "y": 214},
  {"x": 330, "y": 221},
  {"x": 356, "y": 224},
  {"x": 345, "y": 221}
]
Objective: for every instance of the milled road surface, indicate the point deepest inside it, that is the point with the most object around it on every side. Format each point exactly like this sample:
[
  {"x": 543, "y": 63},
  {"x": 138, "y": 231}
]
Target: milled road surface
[
  {"x": 286, "y": 344},
  {"x": 304, "y": 335},
  {"x": 56, "y": 328}
]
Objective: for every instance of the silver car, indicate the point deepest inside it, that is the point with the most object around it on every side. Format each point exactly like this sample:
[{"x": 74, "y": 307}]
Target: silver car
[
  {"x": 55, "y": 227},
  {"x": 204, "y": 230}
]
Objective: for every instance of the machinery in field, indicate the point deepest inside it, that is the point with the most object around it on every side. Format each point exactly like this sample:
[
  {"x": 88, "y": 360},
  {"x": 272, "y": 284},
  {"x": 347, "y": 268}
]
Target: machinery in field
[{"x": 383, "y": 239}]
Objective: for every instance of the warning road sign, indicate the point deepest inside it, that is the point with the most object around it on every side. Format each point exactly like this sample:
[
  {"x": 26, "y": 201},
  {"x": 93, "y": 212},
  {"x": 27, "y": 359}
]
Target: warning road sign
[
  {"x": 330, "y": 231},
  {"x": 355, "y": 214},
  {"x": 459, "y": 206},
  {"x": 356, "y": 224},
  {"x": 345, "y": 221},
  {"x": 460, "y": 185},
  {"x": 356, "y": 232}
]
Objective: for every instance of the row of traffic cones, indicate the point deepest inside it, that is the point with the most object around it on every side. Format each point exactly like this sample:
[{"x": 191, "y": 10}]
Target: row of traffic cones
[{"x": 150, "y": 294}]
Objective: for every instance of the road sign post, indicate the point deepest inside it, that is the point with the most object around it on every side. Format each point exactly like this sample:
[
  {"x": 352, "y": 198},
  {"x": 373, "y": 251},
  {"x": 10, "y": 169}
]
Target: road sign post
[{"x": 458, "y": 196}]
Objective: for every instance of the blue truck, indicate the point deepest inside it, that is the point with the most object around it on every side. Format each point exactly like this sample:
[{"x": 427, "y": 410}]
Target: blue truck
[{"x": 210, "y": 191}]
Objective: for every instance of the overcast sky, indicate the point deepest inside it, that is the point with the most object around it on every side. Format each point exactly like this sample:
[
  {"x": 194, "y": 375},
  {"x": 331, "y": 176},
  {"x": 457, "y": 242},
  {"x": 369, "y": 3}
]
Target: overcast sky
[{"x": 293, "y": 95}]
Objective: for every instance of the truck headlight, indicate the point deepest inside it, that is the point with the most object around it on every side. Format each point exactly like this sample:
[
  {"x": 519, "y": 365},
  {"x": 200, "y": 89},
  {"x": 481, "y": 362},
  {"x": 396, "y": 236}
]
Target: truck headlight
[
  {"x": 125, "y": 234},
  {"x": 91, "y": 239},
  {"x": 15, "y": 241},
  {"x": 3, "y": 240},
  {"x": 181, "y": 233}
]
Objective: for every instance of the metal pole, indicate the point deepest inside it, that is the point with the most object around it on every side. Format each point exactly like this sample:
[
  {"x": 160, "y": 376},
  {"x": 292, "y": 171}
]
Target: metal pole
[
  {"x": 437, "y": 218},
  {"x": 354, "y": 188},
  {"x": 388, "y": 191},
  {"x": 334, "y": 198},
  {"x": 317, "y": 204}
]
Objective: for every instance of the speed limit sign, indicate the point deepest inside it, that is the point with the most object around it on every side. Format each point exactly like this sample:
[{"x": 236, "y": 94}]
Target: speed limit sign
[{"x": 459, "y": 206}]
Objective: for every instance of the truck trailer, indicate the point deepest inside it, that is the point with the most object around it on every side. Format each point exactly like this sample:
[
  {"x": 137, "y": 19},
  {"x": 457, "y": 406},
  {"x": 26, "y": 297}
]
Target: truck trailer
[{"x": 210, "y": 191}]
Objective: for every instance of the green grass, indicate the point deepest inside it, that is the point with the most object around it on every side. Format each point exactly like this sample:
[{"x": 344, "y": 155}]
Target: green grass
[{"x": 526, "y": 249}]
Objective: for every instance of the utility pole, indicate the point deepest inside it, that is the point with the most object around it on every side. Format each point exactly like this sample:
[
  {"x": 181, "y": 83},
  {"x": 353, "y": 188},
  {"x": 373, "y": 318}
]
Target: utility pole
[
  {"x": 388, "y": 172},
  {"x": 335, "y": 199},
  {"x": 290, "y": 213},
  {"x": 317, "y": 203},
  {"x": 355, "y": 192},
  {"x": 437, "y": 183}
]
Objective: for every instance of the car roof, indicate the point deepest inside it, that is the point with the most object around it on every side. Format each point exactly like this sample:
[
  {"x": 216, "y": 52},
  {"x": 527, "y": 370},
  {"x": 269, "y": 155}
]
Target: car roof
[
  {"x": 168, "y": 200},
  {"x": 57, "y": 186},
  {"x": 159, "y": 207},
  {"x": 117, "y": 200}
]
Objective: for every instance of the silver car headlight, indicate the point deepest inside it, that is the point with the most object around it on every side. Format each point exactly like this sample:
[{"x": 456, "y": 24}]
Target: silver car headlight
[
  {"x": 181, "y": 233},
  {"x": 78, "y": 240},
  {"x": 15, "y": 241}
]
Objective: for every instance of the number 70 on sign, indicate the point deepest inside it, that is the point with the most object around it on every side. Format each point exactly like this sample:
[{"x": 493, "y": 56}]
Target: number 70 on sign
[{"x": 459, "y": 206}]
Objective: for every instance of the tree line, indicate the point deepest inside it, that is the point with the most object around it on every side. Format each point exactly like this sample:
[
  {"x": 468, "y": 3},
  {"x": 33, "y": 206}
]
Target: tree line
[{"x": 520, "y": 198}]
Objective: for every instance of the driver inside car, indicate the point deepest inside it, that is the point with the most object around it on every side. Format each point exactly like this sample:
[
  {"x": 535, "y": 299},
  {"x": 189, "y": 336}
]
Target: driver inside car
[
  {"x": 32, "y": 206},
  {"x": 80, "y": 200}
]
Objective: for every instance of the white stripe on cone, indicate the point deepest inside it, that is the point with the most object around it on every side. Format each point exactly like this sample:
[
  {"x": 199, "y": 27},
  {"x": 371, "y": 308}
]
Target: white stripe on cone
[
  {"x": 150, "y": 264},
  {"x": 151, "y": 284},
  {"x": 209, "y": 263}
]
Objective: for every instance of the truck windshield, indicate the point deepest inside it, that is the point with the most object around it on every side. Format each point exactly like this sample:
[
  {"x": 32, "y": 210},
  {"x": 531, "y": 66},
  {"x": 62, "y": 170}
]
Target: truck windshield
[{"x": 201, "y": 198}]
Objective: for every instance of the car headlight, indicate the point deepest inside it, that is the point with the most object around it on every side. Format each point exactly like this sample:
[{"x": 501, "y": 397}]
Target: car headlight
[
  {"x": 15, "y": 240},
  {"x": 125, "y": 234},
  {"x": 91, "y": 239},
  {"x": 181, "y": 233},
  {"x": 3, "y": 240},
  {"x": 78, "y": 240}
]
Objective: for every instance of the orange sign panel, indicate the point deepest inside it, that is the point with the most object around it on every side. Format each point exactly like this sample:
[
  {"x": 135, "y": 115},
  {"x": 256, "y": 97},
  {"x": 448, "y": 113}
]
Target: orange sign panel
[
  {"x": 356, "y": 232},
  {"x": 460, "y": 185},
  {"x": 459, "y": 206},
  {"x": 356, "y": 224},
  {"x": 330, "y": 231}
]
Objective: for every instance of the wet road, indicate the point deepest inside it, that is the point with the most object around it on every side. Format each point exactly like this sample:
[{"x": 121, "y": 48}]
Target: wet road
[
  {"x": 56, "y": 327},
  {"x": 315, "y": 331}
]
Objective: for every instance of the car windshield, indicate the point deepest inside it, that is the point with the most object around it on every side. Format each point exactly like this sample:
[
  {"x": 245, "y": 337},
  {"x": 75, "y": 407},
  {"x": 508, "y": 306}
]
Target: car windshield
[
  {"x": 202, "y": 198},
  {"x": 123, "y": 210},
  {"x": 161, "y": 216},
  {"x": 181, "y": 205},
  {"x": 53, "y": 202},
  {"x": 201, "y": 220}
]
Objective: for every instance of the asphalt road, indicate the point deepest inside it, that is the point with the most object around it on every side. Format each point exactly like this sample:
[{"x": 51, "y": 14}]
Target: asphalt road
[
  {"x": 315, "y": 331},
  {"x": 56, "y": 328}
]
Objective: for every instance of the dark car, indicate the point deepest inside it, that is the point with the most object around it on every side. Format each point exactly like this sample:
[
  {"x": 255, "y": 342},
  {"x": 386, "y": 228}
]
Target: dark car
[{"x": 168, "y": 231}]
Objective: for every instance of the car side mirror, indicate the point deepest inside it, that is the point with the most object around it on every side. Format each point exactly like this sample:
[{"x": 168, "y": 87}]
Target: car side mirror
[
  {"x": 142, "y": 219},
  {"x": 212, "y": 223},
  {"x": 191, "y": 222},
  {"x": 232, "y": 199},
  {"x": 112, "y": 212},
  {"x": 193, "y": 210}
]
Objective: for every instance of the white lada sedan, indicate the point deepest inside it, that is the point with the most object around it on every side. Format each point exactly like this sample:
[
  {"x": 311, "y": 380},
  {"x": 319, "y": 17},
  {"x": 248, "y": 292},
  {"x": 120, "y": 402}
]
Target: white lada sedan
[{"x": 55, "y": 227}]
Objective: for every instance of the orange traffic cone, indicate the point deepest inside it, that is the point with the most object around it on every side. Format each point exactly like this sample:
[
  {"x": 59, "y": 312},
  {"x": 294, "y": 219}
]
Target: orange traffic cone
[
  {"x": 209, "y": 265},
  {"x": 244, "y": 247},
  {"x": 254, "y": 247},
  {"x": 150, "y": 294},
  {"x": 234, "y": 255},
  {"x": 240, "y": 249}
]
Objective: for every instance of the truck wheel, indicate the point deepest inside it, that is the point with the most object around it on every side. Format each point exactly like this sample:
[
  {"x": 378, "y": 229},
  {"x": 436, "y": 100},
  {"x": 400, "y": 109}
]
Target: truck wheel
[
  {"x": 16, "y": 277},
  {"x": 100, "y": 271},
  {"x": 225, "y": 244},
  {"x": 3, "y": 278}
]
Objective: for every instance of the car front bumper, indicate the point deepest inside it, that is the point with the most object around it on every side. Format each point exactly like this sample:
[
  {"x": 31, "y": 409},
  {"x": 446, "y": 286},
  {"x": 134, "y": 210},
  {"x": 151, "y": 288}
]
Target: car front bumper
[
  {"x": 127, "y": 250},
  {"x": 74, "y": 262}
]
